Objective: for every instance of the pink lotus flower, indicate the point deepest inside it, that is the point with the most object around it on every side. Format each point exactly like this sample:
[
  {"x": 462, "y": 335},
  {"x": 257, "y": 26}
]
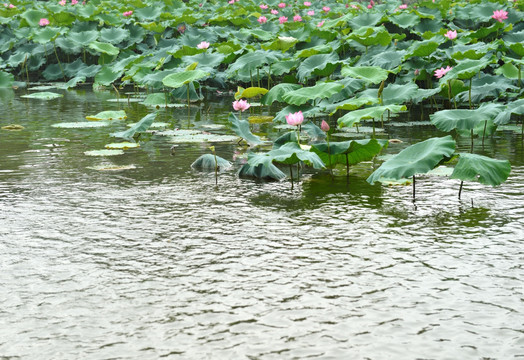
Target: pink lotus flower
[
  {"x": 500, "y": 15},
  {"x": 282, "y": 19},
  {"x": 262, "y": 19},
  {"x": 62, "y": 2},
  {"x": 231, "y": 2},
  {"x": 11, "y": 6},
  {"x": 203, "y": 45},
  {"x": 311, "y": 12},
  {"x": 128, "y": 13},
  {"x": 326, "y": 9},
  {"x": 295, "y": 119},
  {"x": 43, "y": 22},
  {"x": 442, "y": 71},
  {"x": 241, "y": 105},
  {"x": 320, "y": 23},
  {"x": 403, "y": 6},
  {"x": 74, "y": 2},
  {"x": 274, "y": 12},
  {"x": 282, "y": 5},
  {"x": 353, "y": 6},
  {"x": 451, "y": 34},
  {"x": 307, "y": 3},
  {"x": 324, "y": 126},
  {"x": 264, "y": 6},
  {"x": 297, "y": 18},
  {"x": 370, "y": 6}
]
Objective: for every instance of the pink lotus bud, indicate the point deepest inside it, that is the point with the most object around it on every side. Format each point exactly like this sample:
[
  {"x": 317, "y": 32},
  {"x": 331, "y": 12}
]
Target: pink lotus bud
[{"x": 324, "y": 126}]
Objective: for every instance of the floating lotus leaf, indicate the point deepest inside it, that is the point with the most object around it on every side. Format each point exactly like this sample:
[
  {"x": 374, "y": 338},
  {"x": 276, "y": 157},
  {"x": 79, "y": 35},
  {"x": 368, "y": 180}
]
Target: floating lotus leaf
[
  {"x": 13, "y": 127},
  {"x": 179, "y": 79},
  {"x": 241, "y": 128},
  {"x": 207, "y": 162},
  {"x": 105, "y": 152},
  {"x": 140, "y": 126},
  {"x": 112, "y": 167},
  {"x": 203, "y": 137},
  {"x": 415, "y": 159},
  {"x": 370, "y": 74},
  {"x": 155, "y": 125},
  {"x": 122, "y": 145},
  {"x": 108, "y": 115},
  {"x": 375, "y": 112},
  {"x": 277, "y": 92},
  {"x": 319, "y": 91},
  {"x": 44, "y": 95},
  {"x": 80, "y": 125},
  {"x": 260, "y": 119},
  {"x": 178, "y": 132},
  {"x": 482, "y": 169}
]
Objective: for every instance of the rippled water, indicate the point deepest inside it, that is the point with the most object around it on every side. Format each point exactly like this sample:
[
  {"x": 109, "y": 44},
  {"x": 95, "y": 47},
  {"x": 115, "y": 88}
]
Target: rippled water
[{"x": 157, "y": 261}]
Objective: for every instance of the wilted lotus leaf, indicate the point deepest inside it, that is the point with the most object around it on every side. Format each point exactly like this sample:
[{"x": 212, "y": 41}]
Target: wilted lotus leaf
[
  {"x": 108, "y": 115},
  {"x": 123, "y": 145}
]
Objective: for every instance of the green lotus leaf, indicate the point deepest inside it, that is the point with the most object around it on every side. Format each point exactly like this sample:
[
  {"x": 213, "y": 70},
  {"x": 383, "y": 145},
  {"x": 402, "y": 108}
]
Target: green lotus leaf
[
  {"x": 86, "y": 11},
  {"x": 396, "y": 94},
  {"x": 114, "y": 35},
  {"x": 283, "y": 67},
  {"x": 206, "y": 59},
  {"x": 290, "y": 136},
  {"x": 374, "y": 112},
  {"x": 277, "y": 92},
  {"x": 46, "y": 34},
  {"x": 370, "y": 74},
  {"x": 480, "y": 12},
  {"x": 314, "y": 50},
  {"x": 320, "y": 65},
  {"x": 72, "y": 83},
  {"x": 319, "y": 91},
  {"x": 514, "y": 107},
  {"x": 182, "y": 78},
  {"x": 241, "y": 128},
  {"x": 140, "y": 126},
  {"x": 250, "y": 92},
  {"x": 482, "y": 169},
  {"x": 80, "y": 124},
  {"x": 151, "y": 13},
  {"x": 155, "y": 99},
  {"x": 457, "y": 87},
  {"x": 122, "y": 145},
  {"x": 259, "y": 34},
  {"x": 405, "y": 20},
  {"x": 462, "y": 119},
  {"x": 105, "y": 152},
  {"x": 106, "y": 76},
  {"x": 253, "y": 60},
  {"x": 6, "y": 79},
  {"x": 348, "y": 152},
  {"x": 33, "y": 17},
  {"x": 314, "y": 132},
  {"x": 44, "y": 95},
  {"x": 518, "y": 49},
  {"x": 369, "y": 36},
  {"x": 104, "y": 48},
  {"x": 289, "y": 153},
  {"x": 365, "y": 19},
  {"x": 422, "y": 48},
  {"x": 388, "y": 60},
  {"x": 415, "y": 159},
  {"x": 282, "y": 43},
  {"x": 83, "y": 38},
  {"x": 108, "y": 115},
  {"x": 266, "y": 170},
  {"x": 508, "y": 70},
  {"x": 473, "y": 51},
  {"x": 465, "y": 69},
  {"x": 207, "y": 162},
  {"x": 351, "y": 104}
]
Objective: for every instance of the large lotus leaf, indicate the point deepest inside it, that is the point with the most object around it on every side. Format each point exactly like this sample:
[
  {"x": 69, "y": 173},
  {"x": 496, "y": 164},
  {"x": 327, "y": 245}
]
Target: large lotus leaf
[
  {"x": 290, "y": 136},
  {"x": 487, "y": 86},
  {"x": 374, "y": 112},
  {"x": 43, "y": 36},
  {"x": 314, "y": 50},
  {"x": 415, "y": 159},
  {"x": 253, "y": 60},
  {"x": 210, "y": 161},
  {"x": 518, "y": 49},
  {"x": 277, "y": 92},
  {"x": 283, "y": 67},
  {"x": 265, "y": 170},
  {"x": 396, "y": 94},
  {"x": 83, "y": 38},
  {"x": 241, "y": 128},
  {"x": 422, "y": 48},
  {"x": 482, "y": 169},
  {"x": 6, "y": 79},
  {"x": 369, "y": 36},
  {"x": 365, "y": 19},
  {"x": 465, "y": 69},
  {"x": 370, "y": 74},
  {"x": 515, "y": 107},
  {"x": 104, "y": 152},
  {"x": 479, "y": 12},
  {"x": 282, "y": 43},
  {"x": 350, "y": 104},
  {"x": 258, "y": 33},
  {"x": 319, "y": 91},
  {"x": 405, "y": 20},
  {"x": 313, "y": 131},
  {"x": 114, "y": 35},
  {"x": 104, "y": 48},
  {"x": 462, "y": 119},
  {"x": 206, "y": 59},
  {"x": 108, "y": 115},
  {"x": 473, "y": 51},
  {"x": 348, "y": 152},
  {"x": 149, "y": 13},
  {"x": 106, "y": 76},
  {"x": 43, "y": 95},
  {"x": 250, "y": 92},
  {"x": 388, "y": 60},
  {"x": 126, "y": 62},
  {"x": 289, "y": 153},
  {"x": 52, "y": 72},
  {"x": 140, "y": 126},
  {"x": 320, "y": 64},
  {"x": 122, "y": 145},
  {"x": 179, "y": 79},
  {"x": 508, "y": 70},
  {"x": 33, "y": 16}
]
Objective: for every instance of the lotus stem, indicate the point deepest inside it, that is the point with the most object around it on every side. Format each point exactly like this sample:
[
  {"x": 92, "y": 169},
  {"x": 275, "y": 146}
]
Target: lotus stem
[
  {"x": 449, "y": 93},
  {"x": 347, "y": 166},
  {"x": 298, "y": 135},
  {"x": 373, "y": 128},
  {"x": 26, "y": 70},
  {"x": 484, "y": 132},
  {"x": 471, "y": 107},
  {"x": 471, "y": 141},
  {"x": 216, "y": 167},
  {"x": 460, "y": 189},
  {"x": 258, "y": 77},
  {"x": 291, "y": 175},
  {"x": 413, "y": 187},
  {"x": 520, "y": 78},
  {"x": 117, "y": 94},
  {"x": 188, "y": 96},
  {"x": 251, "y": 77},
  {"x": 45, "y": 52},
  {"x": 329, "y": 158},
  {"x": 269, "y": 78}
]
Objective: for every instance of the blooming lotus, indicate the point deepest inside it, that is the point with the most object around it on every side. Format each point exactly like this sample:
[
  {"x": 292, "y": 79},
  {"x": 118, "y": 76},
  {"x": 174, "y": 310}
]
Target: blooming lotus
[
  {"x": 11, "y": 6},
  {"x": 295, "y": 119},
  {"x": 43, "y": 22},
  {"x": 241, "y": 105},
  {"x": 320, "y": 23},
  {"x": 451, "y": 34},
  {"x": 297, "y": 18},
  {"x": 324, "y": 126},
  {"x": 307, "y": 3},
  {"x": 282, "y": 19},
  {"x": 262, "y": 19},
  {"x": 62, "y": 2},
  {"x": 74, "y": 2},
  {"x": 403, "y": 6},
  {"x": 203, "y": 45},
  {"x": 311, "y": 12},
  {"x": 274, "y": 12},
  {"x": 282, "y": 5},
  {"x": 442, "y": 71},
  {"x": 264, "y": 6},
  {"x": 500, "y": 15},
  {"x": 128, "y": 13},
  {"x": 326, "y": 9}
]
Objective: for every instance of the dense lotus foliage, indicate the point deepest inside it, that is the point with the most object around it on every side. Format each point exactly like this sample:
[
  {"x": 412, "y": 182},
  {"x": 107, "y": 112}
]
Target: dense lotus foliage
[{"x": 337, "y": 61}]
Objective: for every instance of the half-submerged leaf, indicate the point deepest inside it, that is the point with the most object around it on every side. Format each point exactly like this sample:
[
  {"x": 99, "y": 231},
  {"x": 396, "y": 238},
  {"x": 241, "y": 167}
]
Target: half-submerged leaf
[
  {"x": 415, "y": 159},
  {"x": 140, "y": 126},
  {"x": 207, "y": 162},
  {"x": 241, "y": 128},
  {"x": 482, "y": 169}
]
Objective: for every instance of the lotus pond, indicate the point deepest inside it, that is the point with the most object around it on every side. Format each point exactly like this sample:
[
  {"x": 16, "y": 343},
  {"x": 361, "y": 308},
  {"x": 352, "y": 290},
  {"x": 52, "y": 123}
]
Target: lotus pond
[{"x": 261, "y": 180}]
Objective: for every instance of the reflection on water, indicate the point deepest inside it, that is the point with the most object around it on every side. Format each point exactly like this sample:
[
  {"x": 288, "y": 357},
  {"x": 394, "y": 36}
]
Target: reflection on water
[{"x": 158, "y": 262}]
